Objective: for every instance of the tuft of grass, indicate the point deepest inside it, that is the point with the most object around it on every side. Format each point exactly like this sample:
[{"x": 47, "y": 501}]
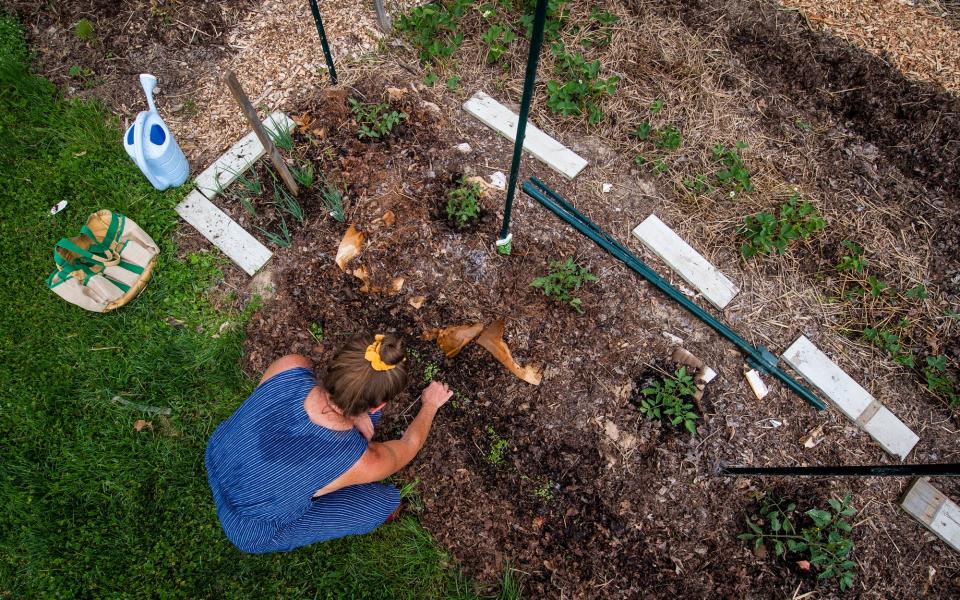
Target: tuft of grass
[
  {"x": 93, "y": 508},
  {"x": 304, "y": 175},
  {"x": 83, "y": 30},
  {"x": 280, "y": 136},
  {"x": 333, "y": 201}
]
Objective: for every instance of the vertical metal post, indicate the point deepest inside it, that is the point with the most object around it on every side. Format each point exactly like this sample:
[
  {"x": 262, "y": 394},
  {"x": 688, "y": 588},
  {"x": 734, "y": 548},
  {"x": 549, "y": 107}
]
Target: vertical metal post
[
  {"x": 533, "y": 59},
  {"x": 383, "y": 17},
  {"x": 323, "y": 41}
]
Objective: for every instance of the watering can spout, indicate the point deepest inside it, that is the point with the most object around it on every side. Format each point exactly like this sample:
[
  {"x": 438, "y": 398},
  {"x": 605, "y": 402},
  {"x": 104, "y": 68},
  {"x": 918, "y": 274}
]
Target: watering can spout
[{"x": 149, "y": 82}]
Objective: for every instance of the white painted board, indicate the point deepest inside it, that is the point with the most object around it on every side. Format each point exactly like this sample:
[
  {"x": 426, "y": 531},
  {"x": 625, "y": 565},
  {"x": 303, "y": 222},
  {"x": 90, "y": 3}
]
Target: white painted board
[
  {"x": 218, "y": 176},
  {"x": 504, "y": 121},
  {"x": 853, "y": 401},
  {"x": 223, "y": 232},
  {"x": 934, "y": 510},
  {"x": 687, "y": 262}
]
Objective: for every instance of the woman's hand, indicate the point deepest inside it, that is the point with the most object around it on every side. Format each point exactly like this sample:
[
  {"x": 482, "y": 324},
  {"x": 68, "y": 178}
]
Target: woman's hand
[{"x": 436, "y": 395}]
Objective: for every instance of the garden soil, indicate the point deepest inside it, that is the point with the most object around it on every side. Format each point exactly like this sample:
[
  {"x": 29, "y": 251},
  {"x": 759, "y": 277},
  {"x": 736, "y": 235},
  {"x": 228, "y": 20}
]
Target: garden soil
[{"x": 566, "y": 482}]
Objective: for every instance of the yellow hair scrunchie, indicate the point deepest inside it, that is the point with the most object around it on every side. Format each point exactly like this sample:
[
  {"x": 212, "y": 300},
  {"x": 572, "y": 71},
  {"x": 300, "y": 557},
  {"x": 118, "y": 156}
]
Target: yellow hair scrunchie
[{"x": 373, "y": 355}]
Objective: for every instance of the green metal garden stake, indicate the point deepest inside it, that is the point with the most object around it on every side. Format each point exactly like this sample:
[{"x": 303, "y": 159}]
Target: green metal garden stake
[
  {"x": 530, "y": 79},
  {"x": 757, "y": 357},
  {"x": 323, "y": 41}
]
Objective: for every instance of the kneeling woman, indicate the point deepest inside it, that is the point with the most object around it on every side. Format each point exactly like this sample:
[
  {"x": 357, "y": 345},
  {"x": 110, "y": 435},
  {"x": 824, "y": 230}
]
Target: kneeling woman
[{"x": 295, "y": 465}]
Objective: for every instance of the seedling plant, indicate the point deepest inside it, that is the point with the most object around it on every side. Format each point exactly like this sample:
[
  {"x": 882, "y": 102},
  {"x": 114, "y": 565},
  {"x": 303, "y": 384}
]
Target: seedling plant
[
  {"x": 563, "y": 280},
  {"x": 823, "y": 544},
  {"x": 665, "y": 139},
  {"x": 375, "y": 120},
  {"x": 580, "y": 87},
  {"x": 463, "y": 203},
  {"x": 765, "y": 233},
  {"x": 733, "y": 173},
  {"x": 670, "y": 398},
  {"x": 333, "y": 202},
  {"x": 499, "y": 447}
]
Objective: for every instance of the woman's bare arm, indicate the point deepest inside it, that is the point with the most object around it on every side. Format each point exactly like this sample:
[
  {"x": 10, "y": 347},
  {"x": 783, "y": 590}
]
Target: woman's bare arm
[{"x": 384, "y": 459}]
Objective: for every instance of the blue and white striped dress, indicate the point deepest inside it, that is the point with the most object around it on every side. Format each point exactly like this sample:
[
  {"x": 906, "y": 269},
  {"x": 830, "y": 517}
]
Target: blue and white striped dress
[{"x": 266, "y": 461}]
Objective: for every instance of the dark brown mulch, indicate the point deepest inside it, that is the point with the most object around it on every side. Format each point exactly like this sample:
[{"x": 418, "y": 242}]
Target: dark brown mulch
[{"x": 168, "y": 38}]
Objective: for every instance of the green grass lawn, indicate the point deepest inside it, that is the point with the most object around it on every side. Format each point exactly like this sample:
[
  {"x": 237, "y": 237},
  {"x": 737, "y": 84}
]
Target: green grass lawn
[{"x": 88, "y": 506}]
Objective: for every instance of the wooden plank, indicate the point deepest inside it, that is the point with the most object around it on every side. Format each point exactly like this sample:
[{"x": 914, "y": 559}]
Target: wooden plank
[
  {"x": 223, "y": 232},
  {"x": 687, "y": 262},
  {"x": 934, "y": 510},
  {"x": 504, "y": 121},
  {"x": 240, "y": 157},
  {"x": 251, "y": 114},
  {"x": 853, "y": 401}
]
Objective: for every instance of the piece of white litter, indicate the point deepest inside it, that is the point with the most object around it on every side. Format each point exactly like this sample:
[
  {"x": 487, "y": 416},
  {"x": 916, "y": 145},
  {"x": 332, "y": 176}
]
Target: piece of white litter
[
  {"x": 853, "y": 401},
  {"x": 707, "y": 375},
  {"x": 536, "y": 142},
  {"x": 607, "y": 187},
  {"x": 58, "y": 207},
  {"x": 464, "y": 148},
  {"x": 672, "y": 338},
  {"x": 775, "y": 423},
  {"x": 223, "y": 232},
  {"x": 687, "y": 262},
  {"x": 934, "y": 510},
  {"x": 498, "y": 180},
  {"x": 756, "y": 384}
]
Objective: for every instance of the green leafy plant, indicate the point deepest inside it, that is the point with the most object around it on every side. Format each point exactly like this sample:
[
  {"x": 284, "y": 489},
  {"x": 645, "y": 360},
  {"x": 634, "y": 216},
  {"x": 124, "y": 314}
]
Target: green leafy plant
[
  {"x": 545, "y": 491},
  {"x": 765, "y": 233},
  {"x": 582, "y": 87},
  {"x": 304, "y": 175},
  {"x": 430, "y": 78},
  {"x": 917, "y": 292},
  {"x": 891, "y": 343},
  {"x": 463, "y": 203},
  {"x": 498, "y": 447},
  {"x": 432, "y": 28},
  {"x": 430, "y": 372},
  {"x": 78, "y": 72},
  {"x": 333, "y": 201},
  {"x": 498, "y": 39},
  {"x": 823, "y": 540},
  {"x": 853, "y": 260},
  {"x": 376, "y": 121},
  {"x": 316, "y": 332},
  {"x": 642, "y": 131},
  {"x": 668, "y": 138},
  {"x": 453, "y": 82},
  {"x": 557, "y": 14},
  {"x": 83, "y": 30},
  {"x": 877, "y": 286},
  {"x": 670, "y": 398},
  {"x": 563, "y": 280},
  {"x": 935, "y": 374},
  {"x": 601, "y": 24},
  {"x": 734, "y": 172},
  {"x": 697, "y": 184}
]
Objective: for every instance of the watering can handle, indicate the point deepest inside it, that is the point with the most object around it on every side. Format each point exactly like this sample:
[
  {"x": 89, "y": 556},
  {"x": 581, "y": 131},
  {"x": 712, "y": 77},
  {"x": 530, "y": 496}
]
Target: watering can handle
[{"x": 138, "y": 136}]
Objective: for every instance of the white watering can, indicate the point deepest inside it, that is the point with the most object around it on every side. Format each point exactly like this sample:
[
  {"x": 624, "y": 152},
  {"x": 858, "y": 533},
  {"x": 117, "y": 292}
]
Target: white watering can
[{"x": 152, "y": 148}]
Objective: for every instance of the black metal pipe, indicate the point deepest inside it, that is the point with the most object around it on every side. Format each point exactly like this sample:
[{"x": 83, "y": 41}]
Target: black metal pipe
[
  {"x": 529, "y": 81},
  {"x": 323, "y": 41},
  {"x": 938, "y": 470}
]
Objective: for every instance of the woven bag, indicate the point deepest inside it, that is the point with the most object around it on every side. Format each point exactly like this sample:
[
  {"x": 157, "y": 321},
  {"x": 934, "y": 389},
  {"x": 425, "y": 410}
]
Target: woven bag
[{"x": 105, "y": 266}]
